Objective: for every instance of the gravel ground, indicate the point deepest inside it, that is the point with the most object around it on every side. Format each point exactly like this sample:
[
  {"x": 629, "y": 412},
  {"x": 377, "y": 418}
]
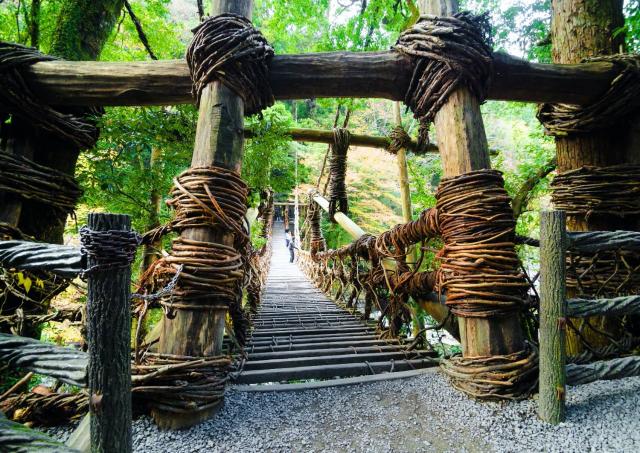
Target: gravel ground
[{"x": 416, "y": 414}]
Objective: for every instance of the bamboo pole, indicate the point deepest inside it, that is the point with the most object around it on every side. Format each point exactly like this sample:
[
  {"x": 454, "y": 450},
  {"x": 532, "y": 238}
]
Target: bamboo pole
[{"x": 553, "y": 240}]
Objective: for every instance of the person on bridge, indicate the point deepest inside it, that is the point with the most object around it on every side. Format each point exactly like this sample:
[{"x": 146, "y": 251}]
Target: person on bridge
[
  {"x": 287, "y": 237},
  {"x": 292, "y": 247}
]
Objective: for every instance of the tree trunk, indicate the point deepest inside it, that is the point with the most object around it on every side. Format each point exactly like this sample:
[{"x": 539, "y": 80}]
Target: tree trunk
[
  {"x": 151, "y": 252},
  {"x": 82, "y": 28},
  {"x": 582, "y": 29}
]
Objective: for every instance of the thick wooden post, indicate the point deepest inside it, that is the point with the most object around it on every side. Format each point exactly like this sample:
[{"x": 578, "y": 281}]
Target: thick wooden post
[
  {"x": 463, "y": 148},
  {"x": 553, "y": 240},
  {"x": 109, "y": 339},
  {"x": 219, "y": 141}
]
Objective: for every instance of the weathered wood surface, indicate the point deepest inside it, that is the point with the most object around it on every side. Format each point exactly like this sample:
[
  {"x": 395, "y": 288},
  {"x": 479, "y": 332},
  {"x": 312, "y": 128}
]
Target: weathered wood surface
[
  {"x": 219, "y": 142},
  {"x": 598, "y": 241},
  {"x": 331, "y": 74},
  {"x": 65, "y": 364},
  {"x": 603, "y": 370},
  {"x": 616, "y": 306},
  {"x": 17, "y": 438},
  {"x": 326, "y": 136},
  {"x": 109, "y": 340},
  {"x": 551, "y": 407},
  {"x": 464, "y": 148}
]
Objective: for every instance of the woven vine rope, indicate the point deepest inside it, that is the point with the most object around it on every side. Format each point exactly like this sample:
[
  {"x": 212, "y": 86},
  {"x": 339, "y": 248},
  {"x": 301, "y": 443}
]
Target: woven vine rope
[
  {"x": 448, "y": 53},
  {"x": 480, "y": 269},
  {"x": 227, "y": 48},
  {"x": 612, "y": 106},
  {"x": 32, "y": 181},
  {"x": 211, "y": 277},
  {"x": 398, "y": 139},
  {"x": 17, "y": 98},
  {"x": 338, "y": 201},
  {"x": 612, "y": 190}
]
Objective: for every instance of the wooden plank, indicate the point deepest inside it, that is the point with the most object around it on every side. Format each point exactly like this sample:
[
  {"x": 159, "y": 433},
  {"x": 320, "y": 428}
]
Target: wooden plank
[
  {"x": 331, "y": 371},
  {"x": 321, "y": 352},
  {"x": 551, "y": 407},
  {"x": 331, "y": 74},
  {"x": 303, "y": 346},
  {"x": 318, "y": 360},
  {"x": 341, "y": 382}
]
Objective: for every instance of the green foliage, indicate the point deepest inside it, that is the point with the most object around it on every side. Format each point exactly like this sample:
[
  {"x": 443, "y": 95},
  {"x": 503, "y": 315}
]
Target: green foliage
[
  {"x": 269, "y": 159},
  {"x": 117, "y": 174}
]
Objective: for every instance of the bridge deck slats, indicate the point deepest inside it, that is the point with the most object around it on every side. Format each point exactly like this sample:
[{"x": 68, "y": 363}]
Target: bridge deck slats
[{"x": 300, "y": 334}]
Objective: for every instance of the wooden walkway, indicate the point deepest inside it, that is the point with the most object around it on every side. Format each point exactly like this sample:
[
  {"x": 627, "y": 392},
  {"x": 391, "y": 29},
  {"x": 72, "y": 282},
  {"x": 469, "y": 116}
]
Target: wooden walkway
[{"x": 300, "y": 334}]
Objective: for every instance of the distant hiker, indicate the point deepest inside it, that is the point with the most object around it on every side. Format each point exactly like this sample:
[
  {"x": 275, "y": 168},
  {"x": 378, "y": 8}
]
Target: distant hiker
[
  {"x": 287, "y": 237},
  {"x": 292, "y": 247}
]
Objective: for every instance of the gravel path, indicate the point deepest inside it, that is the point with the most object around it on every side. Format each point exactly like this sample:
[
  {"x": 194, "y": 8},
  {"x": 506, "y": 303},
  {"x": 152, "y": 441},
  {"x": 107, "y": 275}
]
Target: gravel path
[{"x": 416, "y": 414}]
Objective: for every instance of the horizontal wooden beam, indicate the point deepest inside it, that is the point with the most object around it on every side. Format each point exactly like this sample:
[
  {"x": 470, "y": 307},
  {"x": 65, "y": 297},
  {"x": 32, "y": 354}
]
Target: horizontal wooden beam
[
  {"x": 331, "y": 74},
  {"x": 326, "y": 136}
]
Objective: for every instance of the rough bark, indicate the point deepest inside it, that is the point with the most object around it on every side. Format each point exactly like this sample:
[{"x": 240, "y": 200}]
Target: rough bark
[
  {"x": 551, "y": 407},
  {"x": 219, "y": 141},
  {"x": 109, "y": 339},
  {"x": 82, "y": 28},
  {"x": 582, "y": 29},
  {"x": 463, "y": 148},
  {"x": 330, "y": 74}
]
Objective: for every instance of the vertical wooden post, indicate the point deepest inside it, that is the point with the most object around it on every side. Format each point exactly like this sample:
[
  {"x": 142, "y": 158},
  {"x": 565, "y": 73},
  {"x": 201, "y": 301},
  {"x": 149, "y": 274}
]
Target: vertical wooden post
[
  {"x": 109, "y": 339},
  {"x": 220, "y": 142},
  {"x": 553, "y": 240},
  {"x": 463, "y": 148}
]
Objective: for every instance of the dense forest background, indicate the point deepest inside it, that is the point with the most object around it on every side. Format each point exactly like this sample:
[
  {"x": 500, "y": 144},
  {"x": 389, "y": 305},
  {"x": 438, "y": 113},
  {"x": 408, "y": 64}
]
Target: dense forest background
[{"x": 130, "y": 170}]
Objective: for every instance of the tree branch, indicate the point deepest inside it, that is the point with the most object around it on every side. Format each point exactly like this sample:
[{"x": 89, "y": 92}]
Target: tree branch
[
  {"x": 520, "y": 201},
  {"x": 141, "y": 34}
]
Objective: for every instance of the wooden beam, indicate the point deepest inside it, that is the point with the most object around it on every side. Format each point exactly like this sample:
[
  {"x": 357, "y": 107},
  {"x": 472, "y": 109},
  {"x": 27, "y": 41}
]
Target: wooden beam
[
  {"x": 331, "y": 74},
  {"x": 326, "y": 136},
  {"x": 553, "y": 240},
  {"x": 219, "y": 142},
  {"x": 464, "y": 148}
]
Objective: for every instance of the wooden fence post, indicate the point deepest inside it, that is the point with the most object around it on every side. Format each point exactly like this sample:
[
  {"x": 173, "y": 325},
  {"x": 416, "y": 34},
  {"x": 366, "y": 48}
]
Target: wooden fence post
[
  {"x": 553, "y": 241},
  {"x": 109, "y": 339}
]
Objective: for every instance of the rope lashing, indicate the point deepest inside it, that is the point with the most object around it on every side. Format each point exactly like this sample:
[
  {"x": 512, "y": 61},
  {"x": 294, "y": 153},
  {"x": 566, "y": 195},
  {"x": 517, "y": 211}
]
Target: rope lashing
[
  {"x": 179, "y": 384},
  {"x": 111, "y": 249},
  {"x": 500, "y": 377},
  {"x": 212, "y": 272},
  {"x": 338, "y": 172},
  {"x": 480, "y": 269},
  {"x": 447, "y": 53},
  {"x": 398, "y": 139},
  {"x": 31, "y": 181},
  {"x": 17, "y": 98},
  {"x": 227, "y": 48},
  {"x": 612, "y": 190},
  {"x": 317, "y": 242},
  {"x": 616, "y": 104}
]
